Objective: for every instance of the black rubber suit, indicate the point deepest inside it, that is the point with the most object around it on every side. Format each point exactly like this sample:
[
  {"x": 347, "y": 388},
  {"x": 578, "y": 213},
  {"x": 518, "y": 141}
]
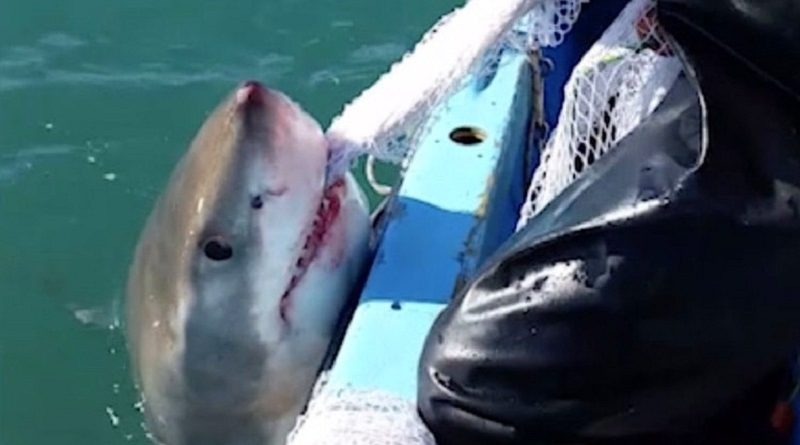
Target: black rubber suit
[{"x": 657, "y": 299}]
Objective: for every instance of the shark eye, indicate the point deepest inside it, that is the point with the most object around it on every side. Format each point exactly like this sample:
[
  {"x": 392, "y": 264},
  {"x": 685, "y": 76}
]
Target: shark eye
[
  {"x": 256, "y": 202},
  {"x": 217, "y": 249}
]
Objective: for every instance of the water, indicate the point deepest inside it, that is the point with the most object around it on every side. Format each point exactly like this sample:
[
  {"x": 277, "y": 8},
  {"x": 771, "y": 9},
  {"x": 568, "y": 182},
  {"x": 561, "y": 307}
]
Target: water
[{"x": 98, "y": 99}]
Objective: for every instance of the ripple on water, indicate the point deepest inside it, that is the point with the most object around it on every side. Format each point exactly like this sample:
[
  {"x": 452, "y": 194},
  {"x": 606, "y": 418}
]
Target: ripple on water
[
  {"x": 363, "y": 64},
  {"x": 61, "y": 40},
  {"x": 14, "y": 165}
]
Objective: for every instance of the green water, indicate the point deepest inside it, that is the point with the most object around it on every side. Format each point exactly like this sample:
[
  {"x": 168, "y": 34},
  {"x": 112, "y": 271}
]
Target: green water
[{"x": 98, "y": 99}]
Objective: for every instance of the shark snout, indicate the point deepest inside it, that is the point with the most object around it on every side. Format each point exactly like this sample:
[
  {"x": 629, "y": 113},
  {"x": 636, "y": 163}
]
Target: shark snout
[
  {"x": 266, "y": 110},
  {"x": 251, "y": 93}
]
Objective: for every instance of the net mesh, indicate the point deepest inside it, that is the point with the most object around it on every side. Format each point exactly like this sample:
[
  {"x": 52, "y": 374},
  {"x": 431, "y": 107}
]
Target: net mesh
[
  {"x": 354, "y": 417},
  {"x": 550, "y": 21},
  {"x": 616, "y": 85},
  {"x": 385, "y": 120}
]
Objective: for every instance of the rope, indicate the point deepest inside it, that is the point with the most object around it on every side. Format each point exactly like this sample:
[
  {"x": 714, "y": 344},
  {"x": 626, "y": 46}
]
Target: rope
[{"x": 369, "y": 171}]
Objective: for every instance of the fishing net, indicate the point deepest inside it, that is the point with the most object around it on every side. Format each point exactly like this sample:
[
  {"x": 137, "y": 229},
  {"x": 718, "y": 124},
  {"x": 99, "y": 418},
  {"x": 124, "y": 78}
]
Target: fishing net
[
  {"x": 616, "y": 85},
  {"x": 353, "y": 417},
  {"x": 550, "y": 21},
  {"x": 386, "y": 120}
]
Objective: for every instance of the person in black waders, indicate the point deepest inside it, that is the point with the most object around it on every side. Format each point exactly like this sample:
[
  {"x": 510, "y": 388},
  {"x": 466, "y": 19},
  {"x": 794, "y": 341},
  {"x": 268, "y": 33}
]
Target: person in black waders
[{"x": 684, "y": 323}]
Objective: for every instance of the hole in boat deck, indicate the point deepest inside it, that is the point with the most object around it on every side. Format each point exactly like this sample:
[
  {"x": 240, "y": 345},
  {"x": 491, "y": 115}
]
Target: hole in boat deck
[{"x": 467, "y": 135}]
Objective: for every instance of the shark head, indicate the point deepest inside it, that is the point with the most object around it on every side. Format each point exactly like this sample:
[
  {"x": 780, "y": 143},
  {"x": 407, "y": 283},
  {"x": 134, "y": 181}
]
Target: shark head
[
  {"x": 224, "y": 321},
  {"x": 251, "y": 190}
]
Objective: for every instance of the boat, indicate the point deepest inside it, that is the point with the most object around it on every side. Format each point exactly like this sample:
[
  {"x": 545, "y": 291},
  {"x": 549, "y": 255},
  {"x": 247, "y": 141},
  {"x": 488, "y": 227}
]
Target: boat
[{"x": 440, "y": 224}]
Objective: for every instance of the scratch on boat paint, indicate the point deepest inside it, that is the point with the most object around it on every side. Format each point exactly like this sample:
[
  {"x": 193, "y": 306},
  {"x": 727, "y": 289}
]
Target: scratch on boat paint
[
  {"x": 470, "y": 250},
  {"x": 483, "y": 205}
]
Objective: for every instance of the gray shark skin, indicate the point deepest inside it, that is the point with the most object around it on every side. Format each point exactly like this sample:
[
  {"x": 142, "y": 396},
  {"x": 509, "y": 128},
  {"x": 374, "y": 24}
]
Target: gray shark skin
[{"x": 240, "y": 275}]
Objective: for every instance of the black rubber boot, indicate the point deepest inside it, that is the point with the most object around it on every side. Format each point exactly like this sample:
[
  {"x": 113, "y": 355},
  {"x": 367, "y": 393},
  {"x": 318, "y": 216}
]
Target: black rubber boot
[{"x": 657, "y": 298}]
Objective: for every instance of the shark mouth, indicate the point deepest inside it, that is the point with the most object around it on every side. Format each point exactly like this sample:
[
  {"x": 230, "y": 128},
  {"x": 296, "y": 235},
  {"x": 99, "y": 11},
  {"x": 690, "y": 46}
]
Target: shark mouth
[{"x": 327, "y": 214}]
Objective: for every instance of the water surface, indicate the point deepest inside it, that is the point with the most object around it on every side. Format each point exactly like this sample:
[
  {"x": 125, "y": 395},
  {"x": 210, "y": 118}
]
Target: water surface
[{"x": 98, "y": 99}]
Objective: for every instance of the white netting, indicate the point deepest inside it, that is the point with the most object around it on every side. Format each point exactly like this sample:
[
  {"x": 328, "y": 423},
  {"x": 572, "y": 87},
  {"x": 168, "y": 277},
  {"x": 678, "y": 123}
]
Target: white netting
[
  {"x": 384, "y": 120},
  {"x": 353, "y": 417},
  {"x": 617, "y": 84},
  {"x": 550, "y": 21}
]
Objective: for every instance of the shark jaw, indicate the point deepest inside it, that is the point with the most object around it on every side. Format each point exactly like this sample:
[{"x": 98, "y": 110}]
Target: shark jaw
[{"x": 326, "y": 216}]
